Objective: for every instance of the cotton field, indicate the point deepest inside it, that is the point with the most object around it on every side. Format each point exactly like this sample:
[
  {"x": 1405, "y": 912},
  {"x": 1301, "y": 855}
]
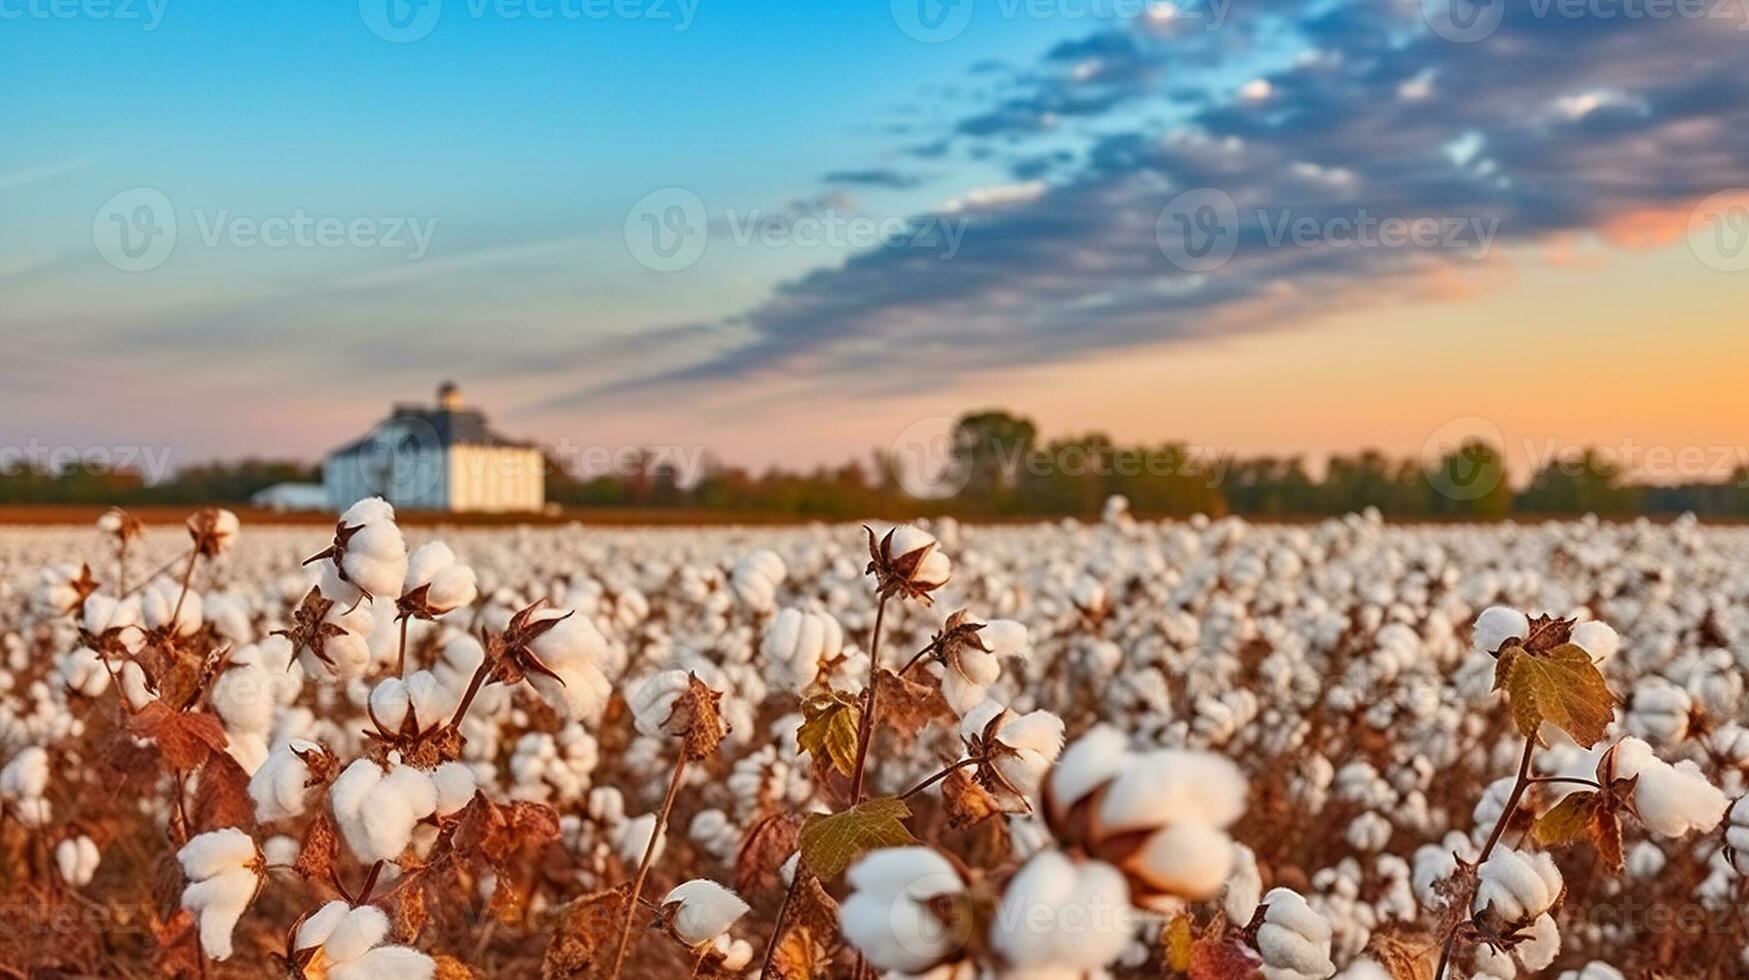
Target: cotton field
[{"x": 1046, "y": 752}]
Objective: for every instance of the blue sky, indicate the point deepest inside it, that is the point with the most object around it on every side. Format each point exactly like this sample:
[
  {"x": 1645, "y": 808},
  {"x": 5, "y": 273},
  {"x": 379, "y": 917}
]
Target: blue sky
[{"x": 1017, "y": 172}]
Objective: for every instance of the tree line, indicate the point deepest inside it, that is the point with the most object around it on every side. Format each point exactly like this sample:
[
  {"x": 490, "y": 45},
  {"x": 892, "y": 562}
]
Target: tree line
[{"x": 997, "y": 465}]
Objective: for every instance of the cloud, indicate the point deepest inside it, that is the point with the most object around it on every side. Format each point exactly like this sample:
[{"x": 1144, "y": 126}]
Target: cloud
[
  {"x": 879, "y": 177},
  {"x": 1551, "y": 127}
]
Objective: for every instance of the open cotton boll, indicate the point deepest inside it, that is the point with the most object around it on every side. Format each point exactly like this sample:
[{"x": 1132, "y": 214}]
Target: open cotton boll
[
  {"x": 386, "y": 963},
  {"x": 1674, "y": 801},
  {"x": 377, "y": 811},
  {"x": 1173, "y": 785},
  {"x": 1542, "y": 945},
  {"x": 1519, "y": 886},
  {"x": 1365, "y": 968},
  {"x": 1005, "y": 638},
  {"x": 1598, "y": 639},
  {"x": 77, "y": 858},
  {"x": 455, "y": 786},
  {"x": 654, "y": 701},
  {"x": 158, "y": 602},
  {"x": 632, "y": 838},
  {"x": 279, "y": 785},
  {"x": 1294, "y": 939},
  {"x": 702, "y": 910},
  {"x": 1497, "y": 626},
  {"x": 799, "y": 642},
  {"x": 349, "y": 939},
  {"x": 1027, "y": 746},
  {"x": 447, "y": 583},
  {"x": 1058, "y": 912},
  {"x": 134, "y": 686},
  {"x": 1185, "y": 860},
  {"x": 26, "y": 775},
  {"x": 574, "y": 650},
  {"x": 371, "y": 555},
  {"x": 1659, "y": 711},
  {"x": 1595, "y": 970},
  {"x": 348, "y": 652},
  {"x": 755, "y": 579},
  {"x": 118, "y": 618},
  {"x": 1244, "y": 888},
  {"x": 83, "y": 672},
  {"x": 1089, "y": 762},
  {"x": 887, "y": 916},
  {"x": 222, "y": 867}
]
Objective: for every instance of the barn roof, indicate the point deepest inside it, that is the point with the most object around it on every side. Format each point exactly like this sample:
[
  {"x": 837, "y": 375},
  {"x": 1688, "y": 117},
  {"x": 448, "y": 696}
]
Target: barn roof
[{"x": 449, "y": 427}]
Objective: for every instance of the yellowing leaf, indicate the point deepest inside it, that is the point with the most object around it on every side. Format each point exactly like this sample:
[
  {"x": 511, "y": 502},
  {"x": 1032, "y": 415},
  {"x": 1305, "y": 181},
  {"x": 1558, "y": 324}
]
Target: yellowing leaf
[
  {"x": 829, "y": 844},
  {"x": 829, "y": 730},
  {"x": 1568, "y": 822},
  {"x": 1561, "y": 687},
  {"x": 1176, "y": 939}
]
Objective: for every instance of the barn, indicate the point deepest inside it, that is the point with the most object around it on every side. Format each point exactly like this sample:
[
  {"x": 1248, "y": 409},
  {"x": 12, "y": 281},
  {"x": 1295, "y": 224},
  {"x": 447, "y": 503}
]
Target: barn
[{"x": 442, "y": 457}]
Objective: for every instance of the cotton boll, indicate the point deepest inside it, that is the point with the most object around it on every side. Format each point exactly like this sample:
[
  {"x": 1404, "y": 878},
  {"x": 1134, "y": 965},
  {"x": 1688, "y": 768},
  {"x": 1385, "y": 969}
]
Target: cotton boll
[
  {"x": 1543, "y": 945},
  {"x": 377, "y": 810},
  {"x": 632, "y": 838},
  {"x": 654, "y": 701},
  {"x": 1026, "y": 747},
  {"x": 1244, "y": 888},
  {"x": 1497, "y": 626},
  {"x": 1594, "y": 970},
  {"x": 26, "y": 775},
  {"x": 1170, "y": 785},
  {"x": 278, "y": 785},
  {"x": 1673, "y": 801},
  {"x": 455, "y": 785},
  {"x": 1188, "y": 860},
  {"x": 222, "y": 868},
  {"x": 76, "y": 858},
  {"x": 159, "y": 602},
  {"x": 1294, "y": 940},
  {"x": 755, "y": 579},
  {"x": 574, "y": 650},
  {"x": 371, "y": 555},
  {"x": 1057, "y": 912},
  {"x": 1091, "y": 761},
  {"x": 887, "y": 916},
  {"x": 702, "y": 910},
  {"x": 1598, "y": 639},
  {"x": 1519, "y": 886},
  {"x": 800, "y": 642},
  {"x": 1659, "y": 712},
  {"x": 447, "y": 584},
  {"x": 83, "y": 672}
]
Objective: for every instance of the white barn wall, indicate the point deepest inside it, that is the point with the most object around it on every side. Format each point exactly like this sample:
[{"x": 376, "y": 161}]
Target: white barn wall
[{"x": 496, "y": 479}]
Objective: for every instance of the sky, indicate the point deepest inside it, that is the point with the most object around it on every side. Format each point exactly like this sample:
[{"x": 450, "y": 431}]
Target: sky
[{"x": 792, "y": 233}]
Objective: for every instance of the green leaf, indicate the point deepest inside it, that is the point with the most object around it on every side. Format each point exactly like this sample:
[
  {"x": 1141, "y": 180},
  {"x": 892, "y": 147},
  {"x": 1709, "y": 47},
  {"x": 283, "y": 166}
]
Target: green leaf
[
  {"x": 830, "y": 728},
  {"x": 1570, "y": 821},
  {"x": 829, "y": 844},
  {"x": 1561, "y": 687}
]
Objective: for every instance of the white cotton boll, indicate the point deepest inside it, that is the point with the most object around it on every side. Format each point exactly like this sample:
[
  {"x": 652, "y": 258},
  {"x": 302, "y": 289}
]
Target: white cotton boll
[
  {"x": 455, "y": 785},
  {"x": 1520, "y": 886},
  {"x": 1674, "y": 801},
  {"x": 1598, "y": 639},
  {"x": 26, "y": 775},
  {"x": 386, "y": 963},
  {"x": 221, "y": 869},
  {"x": 1543, "y": 945},
  {"x": 734, "y": 954},
  {"x": 1187, "y": 860},
  {"x": 755, "y": 579},
  {"x": 248, "y": 749},
  {"x": 574, "y": 650},
  {"x": 1170, "y": 785},
  {"x": 243, "y": 696},
  {"x": 134, "y": 686},
  {"x": 377, "y": 811},
  {"x": 103, "y": 614},
  {"x": 1088, "y": 763},
  {"x": 83, "y": 672},
  {"x": 886, "y": 916},
  {"x": 1497, "y": 625},
  {"x": 799, "y": 642},
  {"x": 319, "y": 925},
  {"x": 389, "y": 704},
  {"x": 704, "y": 910},
  {"x": 158, "y": 602},
  {"x": 1365, "y": 968},
  {"x": 1737, "y": 835},
  {"x": 1063, "y": 913},
  {"x": 356, "y": 933},
  {"x": 281, "y": 851},
  {"x": 76, "y": 858},
  {"x": 632, "y": 838},
  {"x": 1244, "y": 888},
  {"x": 1293, "y": 938},
  {"x": 1659, "y": 712},
  {"x": 654, "y": 701},
  {"x": 448, "y": 584},
  {"x": 432, "y": 702},
  {"x": 1645, "y": 860},
  {"x": 1005, "y": 638}
]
